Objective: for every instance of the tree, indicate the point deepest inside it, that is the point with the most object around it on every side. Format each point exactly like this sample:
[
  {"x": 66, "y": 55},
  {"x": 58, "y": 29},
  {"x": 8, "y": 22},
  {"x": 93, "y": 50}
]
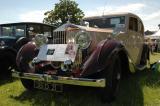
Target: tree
[{"x": 63, "y": 11}]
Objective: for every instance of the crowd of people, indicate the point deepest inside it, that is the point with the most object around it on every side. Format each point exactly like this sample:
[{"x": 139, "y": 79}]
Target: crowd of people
[{"x": 154, "y": 45}]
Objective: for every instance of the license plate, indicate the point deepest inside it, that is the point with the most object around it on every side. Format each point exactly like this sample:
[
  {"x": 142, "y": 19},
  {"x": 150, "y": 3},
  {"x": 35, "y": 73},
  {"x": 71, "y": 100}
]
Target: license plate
[{"x": 48, "y": 86}]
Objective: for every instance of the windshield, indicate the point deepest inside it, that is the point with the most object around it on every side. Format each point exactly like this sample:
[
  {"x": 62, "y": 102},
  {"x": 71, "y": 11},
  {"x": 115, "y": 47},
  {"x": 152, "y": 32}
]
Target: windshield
[
  {"x": 17, "y": 31},
  {"x": 109, "y": 22}
]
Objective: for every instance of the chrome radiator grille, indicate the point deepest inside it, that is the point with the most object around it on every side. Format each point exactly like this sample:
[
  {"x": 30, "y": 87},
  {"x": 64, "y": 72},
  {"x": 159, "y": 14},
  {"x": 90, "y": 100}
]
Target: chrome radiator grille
[{"x": 59, "y": 37}]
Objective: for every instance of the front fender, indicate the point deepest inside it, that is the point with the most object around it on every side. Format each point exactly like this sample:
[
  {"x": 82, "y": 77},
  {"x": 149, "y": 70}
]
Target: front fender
[
  {"x": 100, "y": 57},
  {"x": 20, "y": 42},
  {"x": 25, "y": 55},
  {"x": 5, "y": 49}
]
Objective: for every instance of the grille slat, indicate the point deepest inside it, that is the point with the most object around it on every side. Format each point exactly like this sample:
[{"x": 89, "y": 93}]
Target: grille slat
[{"x": 59, "y": 37}]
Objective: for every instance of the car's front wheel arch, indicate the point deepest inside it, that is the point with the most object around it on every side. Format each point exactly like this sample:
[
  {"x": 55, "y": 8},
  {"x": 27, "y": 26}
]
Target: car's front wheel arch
[{"x": 112, "y": 73}]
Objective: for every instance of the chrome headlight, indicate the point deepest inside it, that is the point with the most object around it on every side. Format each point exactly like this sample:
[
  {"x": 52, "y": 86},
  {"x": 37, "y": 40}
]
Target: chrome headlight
[
  {"x": 83, "y": 39},
  {"x": 40, "y": 39}
]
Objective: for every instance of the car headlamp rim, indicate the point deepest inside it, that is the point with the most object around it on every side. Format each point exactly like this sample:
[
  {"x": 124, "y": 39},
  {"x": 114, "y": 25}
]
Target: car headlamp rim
[
  {"x": 40, "y": 39},
  {"x": 86, "y": 40}
]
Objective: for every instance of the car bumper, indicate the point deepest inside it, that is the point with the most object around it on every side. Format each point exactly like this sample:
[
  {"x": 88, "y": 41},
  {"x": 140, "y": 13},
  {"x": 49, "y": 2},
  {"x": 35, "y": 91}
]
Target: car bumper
[{"x": 60, "y": 79}]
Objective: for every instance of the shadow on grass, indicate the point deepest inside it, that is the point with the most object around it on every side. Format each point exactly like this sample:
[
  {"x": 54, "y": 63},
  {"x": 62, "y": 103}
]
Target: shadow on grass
[
  {"x": 131, "y": 93},
  {"x": 73, "y": 96},
  {"x": 6, "y": 78},
  {"x": 131, "y": 90}
]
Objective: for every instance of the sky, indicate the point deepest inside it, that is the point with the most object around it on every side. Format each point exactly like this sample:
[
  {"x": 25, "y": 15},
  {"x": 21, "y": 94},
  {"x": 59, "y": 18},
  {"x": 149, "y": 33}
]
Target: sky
[{"x": 33, "y": 10}]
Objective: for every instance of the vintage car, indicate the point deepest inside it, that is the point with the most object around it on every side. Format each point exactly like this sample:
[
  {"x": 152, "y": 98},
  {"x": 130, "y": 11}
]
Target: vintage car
[
  {"x": 98, "y": 53},
  {"x": 13, "y": 36}
]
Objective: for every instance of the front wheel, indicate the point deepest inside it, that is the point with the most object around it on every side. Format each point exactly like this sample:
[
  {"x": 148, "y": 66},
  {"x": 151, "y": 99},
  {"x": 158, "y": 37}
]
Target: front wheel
[
  {"x": 27, "y": 67},
  {"x": 24, "y": 63},
  {"x": 28, "y": 84},
  {"x": 113, "y": 77}
]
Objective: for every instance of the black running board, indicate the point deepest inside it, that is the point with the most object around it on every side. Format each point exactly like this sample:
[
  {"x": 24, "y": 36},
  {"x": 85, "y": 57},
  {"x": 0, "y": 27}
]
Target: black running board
[{"x": 141, "y": 67}]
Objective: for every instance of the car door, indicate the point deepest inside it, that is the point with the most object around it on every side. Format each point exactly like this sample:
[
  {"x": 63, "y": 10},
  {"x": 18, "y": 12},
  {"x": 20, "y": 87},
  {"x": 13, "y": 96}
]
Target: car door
[{"x": 135, "y": 38}]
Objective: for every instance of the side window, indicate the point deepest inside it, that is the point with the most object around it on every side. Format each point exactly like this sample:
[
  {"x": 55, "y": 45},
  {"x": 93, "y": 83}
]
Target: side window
[
  {"x": 7, "y": 31},
  {"x": 133, "y": 24},
  {"x": 47, "y": 31},
  {"x": 140, "y": 27},
  {"x": 19, "y": 30}
]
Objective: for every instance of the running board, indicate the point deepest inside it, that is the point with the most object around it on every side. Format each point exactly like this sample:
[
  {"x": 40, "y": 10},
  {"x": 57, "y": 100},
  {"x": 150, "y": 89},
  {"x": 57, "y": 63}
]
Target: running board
[{"x": 141, "y": 67}]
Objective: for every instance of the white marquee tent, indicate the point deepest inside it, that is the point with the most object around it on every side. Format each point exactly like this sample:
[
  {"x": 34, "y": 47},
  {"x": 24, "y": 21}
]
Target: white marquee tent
[
  {"x": 156, "y": 35},
  {"x": 156, "y": 40}
]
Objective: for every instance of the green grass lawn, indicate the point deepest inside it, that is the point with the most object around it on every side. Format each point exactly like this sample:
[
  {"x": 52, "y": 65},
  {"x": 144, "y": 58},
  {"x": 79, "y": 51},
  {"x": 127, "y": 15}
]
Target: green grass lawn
[{"x": 141, "y": 88}]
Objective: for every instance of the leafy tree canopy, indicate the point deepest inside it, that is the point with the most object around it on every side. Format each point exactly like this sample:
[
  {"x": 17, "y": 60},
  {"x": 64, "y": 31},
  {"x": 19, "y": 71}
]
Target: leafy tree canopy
[{"x": 62, "y": 12}]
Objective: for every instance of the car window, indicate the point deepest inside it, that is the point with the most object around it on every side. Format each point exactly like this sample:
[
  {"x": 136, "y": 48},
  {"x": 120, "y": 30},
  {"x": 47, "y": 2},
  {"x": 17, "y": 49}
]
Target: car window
[
  {"x": 133, "y": 24},
  {"x": 13, "y": 30},
  {"x": 47, "y": 31},
  {"x": 6, "y": 31},
  {"x": 19, "y": 30},
  {"x": 140, "y": 27},
  {"x": 109, "y": 22}
]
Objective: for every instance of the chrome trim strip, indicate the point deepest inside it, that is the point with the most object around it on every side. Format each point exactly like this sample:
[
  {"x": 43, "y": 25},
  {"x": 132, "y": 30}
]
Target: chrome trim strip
[{"x": 61, "y": 80}]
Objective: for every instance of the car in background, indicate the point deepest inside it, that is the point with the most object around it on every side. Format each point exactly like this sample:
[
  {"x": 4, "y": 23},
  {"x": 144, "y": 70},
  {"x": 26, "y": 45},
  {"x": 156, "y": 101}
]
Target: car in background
[{"x": 13, "y": 36}]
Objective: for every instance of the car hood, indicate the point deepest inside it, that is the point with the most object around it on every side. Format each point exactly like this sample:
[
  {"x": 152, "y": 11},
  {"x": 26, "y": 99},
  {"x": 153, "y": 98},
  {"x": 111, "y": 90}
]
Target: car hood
[
  {"x": 70, "y": 27},
  {"x": 7, "y": 40}
]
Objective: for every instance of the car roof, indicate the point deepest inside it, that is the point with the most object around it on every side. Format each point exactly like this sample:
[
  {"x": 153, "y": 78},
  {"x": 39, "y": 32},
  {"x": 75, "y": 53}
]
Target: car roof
[
  {"x": 112, "y": 14},
  {"x": 20, "y": 23}
]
